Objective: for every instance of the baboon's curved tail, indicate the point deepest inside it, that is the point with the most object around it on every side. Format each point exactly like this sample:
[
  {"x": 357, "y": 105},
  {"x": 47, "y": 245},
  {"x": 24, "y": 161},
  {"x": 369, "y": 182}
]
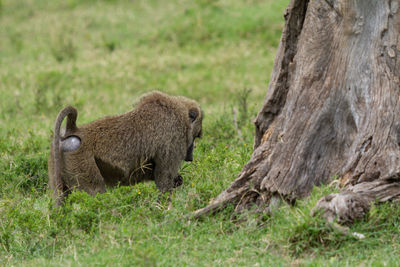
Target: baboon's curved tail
[{"x": 72, "y": 114}]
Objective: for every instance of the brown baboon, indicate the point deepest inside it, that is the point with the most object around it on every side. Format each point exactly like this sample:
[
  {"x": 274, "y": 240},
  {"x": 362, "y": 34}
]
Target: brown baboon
[{"x": 146, "y": 143}]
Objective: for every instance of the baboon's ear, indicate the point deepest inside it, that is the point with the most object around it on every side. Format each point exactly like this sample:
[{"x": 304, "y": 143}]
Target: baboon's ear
[{"x": 193, "y": 114}]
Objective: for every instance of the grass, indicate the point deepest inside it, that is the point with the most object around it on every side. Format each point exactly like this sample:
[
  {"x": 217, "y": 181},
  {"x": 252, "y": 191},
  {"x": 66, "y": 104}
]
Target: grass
[{"x": 100, "y": 56}]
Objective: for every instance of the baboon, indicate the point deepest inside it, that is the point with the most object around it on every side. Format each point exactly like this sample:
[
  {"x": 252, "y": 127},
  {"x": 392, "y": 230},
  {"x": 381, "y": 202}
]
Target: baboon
[{"x": 146, "y": 143}]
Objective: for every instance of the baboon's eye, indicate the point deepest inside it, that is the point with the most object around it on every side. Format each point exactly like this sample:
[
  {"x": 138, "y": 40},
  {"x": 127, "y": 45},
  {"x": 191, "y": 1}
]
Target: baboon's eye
[{"x": 193, "y": 115}]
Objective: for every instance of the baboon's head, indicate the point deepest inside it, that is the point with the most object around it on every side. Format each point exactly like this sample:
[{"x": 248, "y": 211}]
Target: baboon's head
[{"x": 196, "y": 119}]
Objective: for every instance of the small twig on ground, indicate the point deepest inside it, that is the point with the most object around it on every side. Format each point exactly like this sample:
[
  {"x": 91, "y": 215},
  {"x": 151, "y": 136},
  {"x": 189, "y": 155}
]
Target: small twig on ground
[{"x": 235, "y": 122}]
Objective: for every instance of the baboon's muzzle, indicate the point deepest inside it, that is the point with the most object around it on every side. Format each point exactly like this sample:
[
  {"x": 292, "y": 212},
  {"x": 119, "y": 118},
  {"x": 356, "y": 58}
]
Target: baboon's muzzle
[{"x": 189, "y": 153}]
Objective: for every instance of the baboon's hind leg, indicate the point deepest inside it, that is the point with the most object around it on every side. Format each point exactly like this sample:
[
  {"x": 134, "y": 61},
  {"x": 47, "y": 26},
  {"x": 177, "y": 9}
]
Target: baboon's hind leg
[
  {"x": 96, "y": 180},
  {"x": 86, "y": 177}
]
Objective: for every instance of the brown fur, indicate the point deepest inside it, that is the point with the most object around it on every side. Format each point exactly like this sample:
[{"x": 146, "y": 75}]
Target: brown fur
[{"x": 147, "y": 143}]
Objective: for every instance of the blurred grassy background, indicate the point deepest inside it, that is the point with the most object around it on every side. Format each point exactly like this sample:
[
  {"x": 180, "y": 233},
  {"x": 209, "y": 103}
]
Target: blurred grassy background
[
  {"x": 100, "y": 56},
  {"x": 110, "y": 52}
]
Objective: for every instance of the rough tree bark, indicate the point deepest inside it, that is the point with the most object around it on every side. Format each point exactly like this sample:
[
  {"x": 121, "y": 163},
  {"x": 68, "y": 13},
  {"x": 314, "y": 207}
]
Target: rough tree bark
[{"x": 332, "y": 110}]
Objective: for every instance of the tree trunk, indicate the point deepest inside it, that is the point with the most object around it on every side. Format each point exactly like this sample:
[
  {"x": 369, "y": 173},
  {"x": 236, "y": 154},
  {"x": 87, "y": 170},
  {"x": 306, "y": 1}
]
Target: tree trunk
[{"x": 332, "y": 110}]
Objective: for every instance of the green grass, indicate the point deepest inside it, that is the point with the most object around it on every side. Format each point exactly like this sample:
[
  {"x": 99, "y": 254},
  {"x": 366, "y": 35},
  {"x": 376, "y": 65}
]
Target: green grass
[{"x": 100, "y": 56}]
